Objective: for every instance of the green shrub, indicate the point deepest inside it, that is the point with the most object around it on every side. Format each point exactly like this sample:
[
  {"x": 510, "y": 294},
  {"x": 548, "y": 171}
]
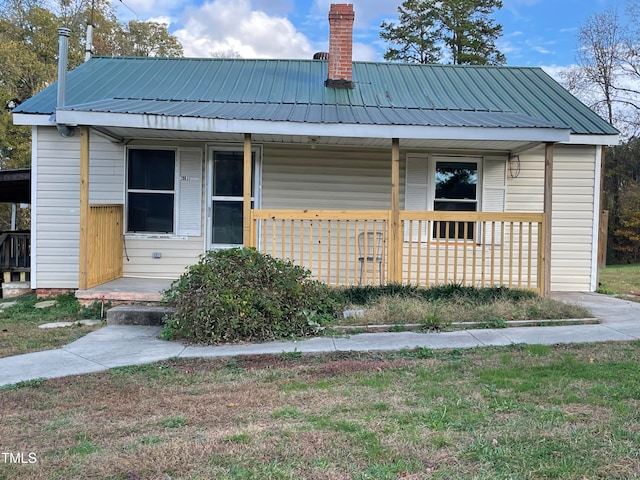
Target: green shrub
[
  {"x": 368, "y": 294},
  {"x": 240, "y": 294}
]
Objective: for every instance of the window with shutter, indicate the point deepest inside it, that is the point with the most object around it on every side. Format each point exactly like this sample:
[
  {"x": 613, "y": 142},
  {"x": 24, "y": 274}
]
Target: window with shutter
[
  {"x": 164, "y": 191},
  {"x": 454, "y": 183},
  {"x": 150, "y": 190}
]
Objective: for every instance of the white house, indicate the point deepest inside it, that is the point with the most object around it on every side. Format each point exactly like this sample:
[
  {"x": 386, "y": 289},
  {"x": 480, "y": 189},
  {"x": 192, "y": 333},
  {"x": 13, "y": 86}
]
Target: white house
[{"x": 362, "y": 172}]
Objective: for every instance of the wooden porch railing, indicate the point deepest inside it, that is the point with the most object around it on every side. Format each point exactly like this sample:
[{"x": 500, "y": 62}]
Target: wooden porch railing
[
  {"x": 15, "y": 255},
  {"x": 105, "y": 244},
  {"x": 472, "y": 248},
  {"x": 326, "y": 242},
  {"x": 351, "y": 247}
]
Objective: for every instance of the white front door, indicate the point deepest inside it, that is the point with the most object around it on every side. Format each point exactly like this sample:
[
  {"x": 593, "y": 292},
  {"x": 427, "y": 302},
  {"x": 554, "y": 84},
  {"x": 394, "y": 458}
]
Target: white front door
[{"x": 225, "y": 176}]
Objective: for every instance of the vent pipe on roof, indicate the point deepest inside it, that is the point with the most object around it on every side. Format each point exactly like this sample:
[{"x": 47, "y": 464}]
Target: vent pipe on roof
[
  {"x": 63, "y": 61},
  {"x": 88, "y": 48},
  {"x": 341, "y": 17}
]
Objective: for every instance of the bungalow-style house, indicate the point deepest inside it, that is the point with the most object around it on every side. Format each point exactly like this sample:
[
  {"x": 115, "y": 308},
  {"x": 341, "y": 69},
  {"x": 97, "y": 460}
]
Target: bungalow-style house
[{"x": 362, "y": 172}]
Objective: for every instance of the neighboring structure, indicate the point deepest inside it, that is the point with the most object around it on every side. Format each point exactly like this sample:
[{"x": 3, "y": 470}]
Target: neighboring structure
[
  {"x": 374, "y": 172},
  {"x": 15, "y": 188}
]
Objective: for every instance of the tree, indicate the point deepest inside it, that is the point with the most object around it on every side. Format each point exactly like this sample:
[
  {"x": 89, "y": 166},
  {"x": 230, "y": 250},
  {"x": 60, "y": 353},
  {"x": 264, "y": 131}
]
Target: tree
[
  {"x": 621, "y": 197},
  {"x": 415, "y": 35},
  {"x": 606, "y": 78},
  {"x": 596, "y": 76},
  {"x": 29, "y": 51},
  {"x": 149, "y": 39},
  {"x": 470, "y": 33},
  {"x": 464, "y": 29}
]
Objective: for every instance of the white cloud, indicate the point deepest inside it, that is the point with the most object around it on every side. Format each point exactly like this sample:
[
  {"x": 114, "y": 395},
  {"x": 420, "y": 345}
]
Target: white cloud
[
  {"x": 162, "y": 19},
  {"x": 555, "y": 71},
  {"x": 232, "y": 26},
  {"x": 364, "y": 52}
]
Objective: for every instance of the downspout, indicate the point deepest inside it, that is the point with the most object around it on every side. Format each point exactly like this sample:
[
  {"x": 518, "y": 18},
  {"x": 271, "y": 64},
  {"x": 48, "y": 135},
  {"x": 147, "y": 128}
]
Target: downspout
[{"x": 63, "y": 60}]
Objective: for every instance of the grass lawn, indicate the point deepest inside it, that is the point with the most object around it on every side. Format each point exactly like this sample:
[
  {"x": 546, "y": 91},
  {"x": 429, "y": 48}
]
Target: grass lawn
[
  {"x": 19, "y": 332},
  {"x": 525, "y": 412},
  {"x": 621, "y": 280}
]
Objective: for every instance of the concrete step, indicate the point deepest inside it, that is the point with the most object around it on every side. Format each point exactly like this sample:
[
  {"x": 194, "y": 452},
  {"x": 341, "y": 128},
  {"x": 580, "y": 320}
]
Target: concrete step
[{"x": 136, "y": 315}]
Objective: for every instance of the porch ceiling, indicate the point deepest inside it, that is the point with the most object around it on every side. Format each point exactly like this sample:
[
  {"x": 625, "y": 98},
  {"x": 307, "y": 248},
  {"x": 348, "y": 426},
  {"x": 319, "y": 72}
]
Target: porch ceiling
[
  {"x": 15, "y": 186},
  {"x": 118, "y": 134}
]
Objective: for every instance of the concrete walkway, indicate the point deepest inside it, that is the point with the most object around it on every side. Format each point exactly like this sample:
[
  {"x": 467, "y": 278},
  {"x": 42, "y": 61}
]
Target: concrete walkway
[{"x": 115, "y": 346}]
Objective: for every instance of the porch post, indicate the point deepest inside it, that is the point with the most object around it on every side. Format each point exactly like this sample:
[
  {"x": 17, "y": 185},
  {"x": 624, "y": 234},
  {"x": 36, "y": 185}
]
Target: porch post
[
  {"x": 83, "y": 280},
  {"x": 246, "y": 204},
  {"x": 548, "y": 213},
  {"x": 394, "y": 247}
]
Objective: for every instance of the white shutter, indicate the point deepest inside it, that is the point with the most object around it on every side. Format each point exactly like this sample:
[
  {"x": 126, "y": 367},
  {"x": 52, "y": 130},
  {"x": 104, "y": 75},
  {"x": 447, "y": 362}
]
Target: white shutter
[
  {"x": 190, "y": 192},
  {"x": 494, "y": 192},
  {"x": 416, "y": 194}
]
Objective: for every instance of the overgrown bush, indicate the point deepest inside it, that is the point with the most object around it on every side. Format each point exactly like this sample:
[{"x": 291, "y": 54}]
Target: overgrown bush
[{"x": 240, "y": 294}]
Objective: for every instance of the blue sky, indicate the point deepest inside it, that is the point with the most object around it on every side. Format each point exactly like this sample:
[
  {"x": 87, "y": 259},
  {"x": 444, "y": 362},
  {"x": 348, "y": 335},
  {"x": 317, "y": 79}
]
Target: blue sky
[{"x": 535, "y": 32}]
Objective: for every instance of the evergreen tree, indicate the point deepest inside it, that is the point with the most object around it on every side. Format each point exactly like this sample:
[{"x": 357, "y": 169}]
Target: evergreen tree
[{"x": 463, "y": 29}]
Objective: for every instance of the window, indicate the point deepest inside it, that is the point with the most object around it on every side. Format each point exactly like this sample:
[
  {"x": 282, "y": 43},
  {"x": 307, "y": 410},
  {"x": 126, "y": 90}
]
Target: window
[
  {"x": 151, "y": 190},
  {"x": 164, "y": 191},
  {"x": 453, "y": 183},
  {"x": 456, "y": 190}
]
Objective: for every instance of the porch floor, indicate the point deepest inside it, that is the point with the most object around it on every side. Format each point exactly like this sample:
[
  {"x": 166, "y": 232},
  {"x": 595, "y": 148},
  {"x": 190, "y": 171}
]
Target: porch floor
[{"x": 127, "y": 290}]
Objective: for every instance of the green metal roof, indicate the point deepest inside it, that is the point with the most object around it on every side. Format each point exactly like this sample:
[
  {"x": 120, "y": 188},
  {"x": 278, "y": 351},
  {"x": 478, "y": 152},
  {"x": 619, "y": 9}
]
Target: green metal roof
[{"x": 293, "y": 90}]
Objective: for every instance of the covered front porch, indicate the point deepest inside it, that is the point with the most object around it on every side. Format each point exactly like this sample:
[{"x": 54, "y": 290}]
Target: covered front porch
[{"x": 363, "y": 246}]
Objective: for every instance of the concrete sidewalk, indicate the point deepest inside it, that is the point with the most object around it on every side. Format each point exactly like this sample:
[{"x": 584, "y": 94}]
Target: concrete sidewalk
[{"x": 115, "y": 346}]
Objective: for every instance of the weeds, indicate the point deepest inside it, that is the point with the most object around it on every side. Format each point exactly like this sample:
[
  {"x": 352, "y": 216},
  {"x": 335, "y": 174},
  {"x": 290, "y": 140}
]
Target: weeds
[
  {"x": 512, "y": 412},
  {"x": 488, "y": 308}
]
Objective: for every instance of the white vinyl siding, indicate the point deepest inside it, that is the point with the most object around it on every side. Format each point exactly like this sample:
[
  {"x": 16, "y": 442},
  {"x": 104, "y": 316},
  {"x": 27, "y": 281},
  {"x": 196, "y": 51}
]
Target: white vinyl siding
[
  {"x": 106, "y": 170},
  {"x": 326, "y": 178},
  {"x": 57, "y": 195},
  {"x": 176, "y": 256},
  {"x": 573, "y": 196}
]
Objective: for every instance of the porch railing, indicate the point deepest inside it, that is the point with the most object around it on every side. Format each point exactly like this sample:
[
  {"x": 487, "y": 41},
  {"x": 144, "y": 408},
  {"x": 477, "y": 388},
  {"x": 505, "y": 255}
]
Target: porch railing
[
  {"x": 105, "y": 244},
  {"x": 15, "y": 255},
  {"x": 354, "y": 247}
]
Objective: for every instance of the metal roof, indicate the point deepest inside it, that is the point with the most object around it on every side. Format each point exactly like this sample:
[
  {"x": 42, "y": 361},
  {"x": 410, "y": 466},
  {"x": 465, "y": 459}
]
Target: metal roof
[{"x": 294, "y": 91}]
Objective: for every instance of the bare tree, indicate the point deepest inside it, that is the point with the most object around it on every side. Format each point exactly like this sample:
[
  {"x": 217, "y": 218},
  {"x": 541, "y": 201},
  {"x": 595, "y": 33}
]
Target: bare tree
[{"x": 607, "y": 74}]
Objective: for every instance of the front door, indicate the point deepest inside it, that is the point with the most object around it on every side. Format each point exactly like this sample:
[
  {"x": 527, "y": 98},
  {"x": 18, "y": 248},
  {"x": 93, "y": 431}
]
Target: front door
[{"x": 224, "y": 212}]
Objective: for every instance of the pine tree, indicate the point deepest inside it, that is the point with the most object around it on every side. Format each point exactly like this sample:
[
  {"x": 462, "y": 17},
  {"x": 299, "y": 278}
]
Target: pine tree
[{"x": 426, "y": 30}]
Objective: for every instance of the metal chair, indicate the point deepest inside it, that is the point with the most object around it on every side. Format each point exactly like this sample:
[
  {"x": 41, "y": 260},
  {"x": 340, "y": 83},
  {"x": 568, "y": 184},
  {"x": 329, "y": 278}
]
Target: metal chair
[{"x": 370, "y": 251}]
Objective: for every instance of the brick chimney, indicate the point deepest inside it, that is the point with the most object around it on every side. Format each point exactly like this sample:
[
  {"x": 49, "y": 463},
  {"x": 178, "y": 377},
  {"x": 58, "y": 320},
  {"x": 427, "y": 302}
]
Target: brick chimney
[{"x": 341, "y": 18}]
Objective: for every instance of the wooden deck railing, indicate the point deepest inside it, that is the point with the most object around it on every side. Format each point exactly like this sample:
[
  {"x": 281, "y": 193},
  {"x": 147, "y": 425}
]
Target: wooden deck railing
[
  {"x": 339, "y": 247},
  {"x": 15, "y": 255},
  {"x": 105, "y": 243},
  {"x": 472, "y": 248},
  {"x": 351, "y": 247}
]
